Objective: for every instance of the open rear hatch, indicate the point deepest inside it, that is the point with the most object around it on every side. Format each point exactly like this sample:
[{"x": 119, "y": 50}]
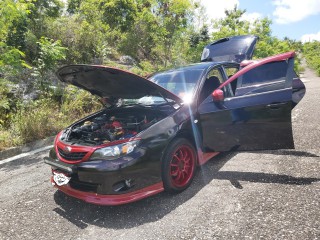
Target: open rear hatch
[{"x": 230, "y": 49}]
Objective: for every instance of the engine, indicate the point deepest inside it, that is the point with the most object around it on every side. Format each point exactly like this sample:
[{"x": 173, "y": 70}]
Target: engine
[{"x": 110, "y": 127}]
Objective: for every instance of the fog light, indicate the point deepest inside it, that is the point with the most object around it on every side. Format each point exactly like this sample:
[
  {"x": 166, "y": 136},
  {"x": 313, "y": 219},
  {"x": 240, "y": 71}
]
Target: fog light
[
  {"x": 128, "y": 183},
  {"x": 123, "y": 185}
]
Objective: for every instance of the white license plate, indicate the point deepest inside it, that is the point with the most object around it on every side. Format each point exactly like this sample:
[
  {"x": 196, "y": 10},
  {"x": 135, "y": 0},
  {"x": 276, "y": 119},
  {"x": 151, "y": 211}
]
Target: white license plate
[{"x": 60, "y": 178}]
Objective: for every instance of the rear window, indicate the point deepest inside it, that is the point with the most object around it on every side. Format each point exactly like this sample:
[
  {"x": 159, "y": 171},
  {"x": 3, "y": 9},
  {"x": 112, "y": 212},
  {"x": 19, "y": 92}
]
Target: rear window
[{"x": 270, "y": 72}]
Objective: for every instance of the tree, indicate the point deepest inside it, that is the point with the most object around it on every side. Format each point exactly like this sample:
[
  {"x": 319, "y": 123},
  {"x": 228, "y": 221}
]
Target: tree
[
  {"x": 73, "y": 6},
  {"x": 235, "y": 24},
  {"x": 311, "y": 51},
  {"x": 158, "y": 33},
  {"x": 51, "y": 52},
  {"x": 12, "y": 34},
  {"x": 173, "y": 18},
  {"x": 232, "y": 24},
  {"x": 42, "y": 11}
]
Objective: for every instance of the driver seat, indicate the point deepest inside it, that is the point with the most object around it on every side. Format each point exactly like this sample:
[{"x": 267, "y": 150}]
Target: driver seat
[{"x": 211, "y": 84}]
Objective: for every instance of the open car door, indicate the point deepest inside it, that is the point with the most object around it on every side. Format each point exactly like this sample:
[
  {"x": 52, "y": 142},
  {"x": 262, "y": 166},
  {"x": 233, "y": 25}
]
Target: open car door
[{"x": 258, "y": 115}]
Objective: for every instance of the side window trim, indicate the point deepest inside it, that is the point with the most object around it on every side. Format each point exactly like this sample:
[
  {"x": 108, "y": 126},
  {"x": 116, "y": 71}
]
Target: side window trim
[
  {"x": 257, "y": 89},
  {"x": 239, "y": 83},
  {"x": 253, "y": 94},
  {"x": 227, "y": 88},
  {"x": 221, "y": 72},
  {"x": 264, "y": 84}
]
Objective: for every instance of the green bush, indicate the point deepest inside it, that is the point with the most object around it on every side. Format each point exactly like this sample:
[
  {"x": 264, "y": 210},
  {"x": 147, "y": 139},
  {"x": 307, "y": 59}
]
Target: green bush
[
  {"x": 37, "y": 121},
  {"x": 311, "y": 52},
  {"x": 8, "y": 139},
  {"x": 77, "y": 103},
  {"x": 8, "y": 103},
  {"x": 47, "y": 116}
]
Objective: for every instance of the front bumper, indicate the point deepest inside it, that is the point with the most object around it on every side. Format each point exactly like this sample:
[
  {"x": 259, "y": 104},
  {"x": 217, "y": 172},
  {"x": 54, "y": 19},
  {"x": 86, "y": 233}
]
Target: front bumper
[
  {"x": 111, "y": 200},
  {"x": 108, "y": 182}
]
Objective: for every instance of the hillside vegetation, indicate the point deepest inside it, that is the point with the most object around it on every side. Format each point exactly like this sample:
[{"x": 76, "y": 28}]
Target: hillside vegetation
[
  {"x": 311, "y": 51},
  {"x": 143, "y": 36}
]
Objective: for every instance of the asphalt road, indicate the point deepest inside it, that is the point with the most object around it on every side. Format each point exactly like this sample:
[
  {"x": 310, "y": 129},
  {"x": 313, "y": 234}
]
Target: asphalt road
[{"x": 240, "y": 195}]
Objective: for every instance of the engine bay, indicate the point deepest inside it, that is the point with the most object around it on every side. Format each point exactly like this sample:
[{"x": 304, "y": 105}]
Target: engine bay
[{"x": 110, "y": 126}]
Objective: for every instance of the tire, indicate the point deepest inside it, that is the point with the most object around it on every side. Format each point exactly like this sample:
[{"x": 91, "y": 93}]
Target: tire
[{"x": 178, "y": 165}]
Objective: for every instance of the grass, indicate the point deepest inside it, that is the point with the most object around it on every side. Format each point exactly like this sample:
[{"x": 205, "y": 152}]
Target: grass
[{"x": 46, "y": 117}]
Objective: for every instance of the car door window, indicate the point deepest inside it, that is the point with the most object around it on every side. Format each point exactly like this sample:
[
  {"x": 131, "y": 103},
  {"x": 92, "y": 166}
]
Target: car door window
[
  {"x": 267, "y": 73},
  {"x": 267, "y": 77},
  {"x": 229, "y": 72},
  {"x": 213, "y": 80},
  {"x": 264, "y": 78}
]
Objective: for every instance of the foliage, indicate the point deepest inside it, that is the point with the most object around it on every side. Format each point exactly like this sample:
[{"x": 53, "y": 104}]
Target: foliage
[
  {"x": 36, "y": 121},
  {"x": 51, "y": 52},
  {"x": 197, "y": 41},
  {"x": 78, "y": 102},
  {"x": 40, "y": 12},
  {"x": 86, "y": 42},
  {"x": 311, "y": 51},
  {"x": 8, "y": 104},
  {"x": 45, "y": 117},
  {"x": 158, "y": 32},
  {"x": 12, "y": 30}
]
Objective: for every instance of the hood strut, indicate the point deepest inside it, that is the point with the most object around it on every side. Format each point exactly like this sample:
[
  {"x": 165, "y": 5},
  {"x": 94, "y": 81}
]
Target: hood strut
[{"x": 168, "y": 101}]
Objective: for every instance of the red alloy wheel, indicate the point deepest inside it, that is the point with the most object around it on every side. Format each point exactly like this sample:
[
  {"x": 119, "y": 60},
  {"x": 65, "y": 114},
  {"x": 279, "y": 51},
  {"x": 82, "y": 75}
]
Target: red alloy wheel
[{"x": 182, "y": 166}]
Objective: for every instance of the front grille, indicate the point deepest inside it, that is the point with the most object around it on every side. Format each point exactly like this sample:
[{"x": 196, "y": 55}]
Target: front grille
[{"x": 72, "y": 156}]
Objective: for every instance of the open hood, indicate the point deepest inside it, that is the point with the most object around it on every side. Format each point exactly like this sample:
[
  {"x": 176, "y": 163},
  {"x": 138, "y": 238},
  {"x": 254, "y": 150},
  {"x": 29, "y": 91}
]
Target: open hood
[
  {"x": 112, "y": 82},
  {"x": 230, "y": 49}
]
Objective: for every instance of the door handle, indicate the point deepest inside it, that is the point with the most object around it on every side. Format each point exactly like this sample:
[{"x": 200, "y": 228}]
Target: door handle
[{"x": 276, "y": 105}]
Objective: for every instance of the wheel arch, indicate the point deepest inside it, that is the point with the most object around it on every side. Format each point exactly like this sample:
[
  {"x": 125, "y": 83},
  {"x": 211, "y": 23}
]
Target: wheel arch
[
  {"x": 185, "y": 175},
  {"x": 186, "y": 134}
]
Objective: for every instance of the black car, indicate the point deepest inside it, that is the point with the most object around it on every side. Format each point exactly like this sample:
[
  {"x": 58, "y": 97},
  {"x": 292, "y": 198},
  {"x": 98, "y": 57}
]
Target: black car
[{"x": 156, "y": 131}]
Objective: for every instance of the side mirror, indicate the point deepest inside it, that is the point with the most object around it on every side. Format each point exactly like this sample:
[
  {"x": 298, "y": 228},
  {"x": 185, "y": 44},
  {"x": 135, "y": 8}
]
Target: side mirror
[{"x": 217, "y": 95}]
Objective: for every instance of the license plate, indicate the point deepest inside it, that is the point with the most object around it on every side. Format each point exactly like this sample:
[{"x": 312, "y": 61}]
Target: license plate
[{"x": 60, "y": 178}]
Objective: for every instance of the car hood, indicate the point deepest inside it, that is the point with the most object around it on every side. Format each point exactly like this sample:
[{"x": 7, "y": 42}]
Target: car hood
[
  {"x": 112, "y": 82},
  {"x": 230, "y": 49}
]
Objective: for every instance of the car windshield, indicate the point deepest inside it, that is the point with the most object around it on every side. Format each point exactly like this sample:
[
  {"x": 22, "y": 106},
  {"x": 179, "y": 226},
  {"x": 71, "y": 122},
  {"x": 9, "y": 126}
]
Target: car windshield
[{"x": 181, "y": 82}]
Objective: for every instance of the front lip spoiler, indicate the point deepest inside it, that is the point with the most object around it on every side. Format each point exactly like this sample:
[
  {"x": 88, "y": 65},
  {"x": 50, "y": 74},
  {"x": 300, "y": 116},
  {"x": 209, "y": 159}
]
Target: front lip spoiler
[{"x": 111, "y": 200}]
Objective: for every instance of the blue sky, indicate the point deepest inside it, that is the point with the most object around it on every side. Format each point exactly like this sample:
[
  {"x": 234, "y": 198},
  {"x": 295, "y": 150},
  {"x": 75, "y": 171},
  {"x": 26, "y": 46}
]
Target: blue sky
[{"x": 296, "y": 19}]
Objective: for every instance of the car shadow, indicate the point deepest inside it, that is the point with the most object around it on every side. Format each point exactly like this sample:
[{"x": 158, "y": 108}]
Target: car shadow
[
  {"x": 288, "y": 152},
  {"x": 151, "y": 209}
]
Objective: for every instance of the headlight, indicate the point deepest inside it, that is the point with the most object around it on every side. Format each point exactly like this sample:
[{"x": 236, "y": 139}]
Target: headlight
[{"x": 113, "y": 152}]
